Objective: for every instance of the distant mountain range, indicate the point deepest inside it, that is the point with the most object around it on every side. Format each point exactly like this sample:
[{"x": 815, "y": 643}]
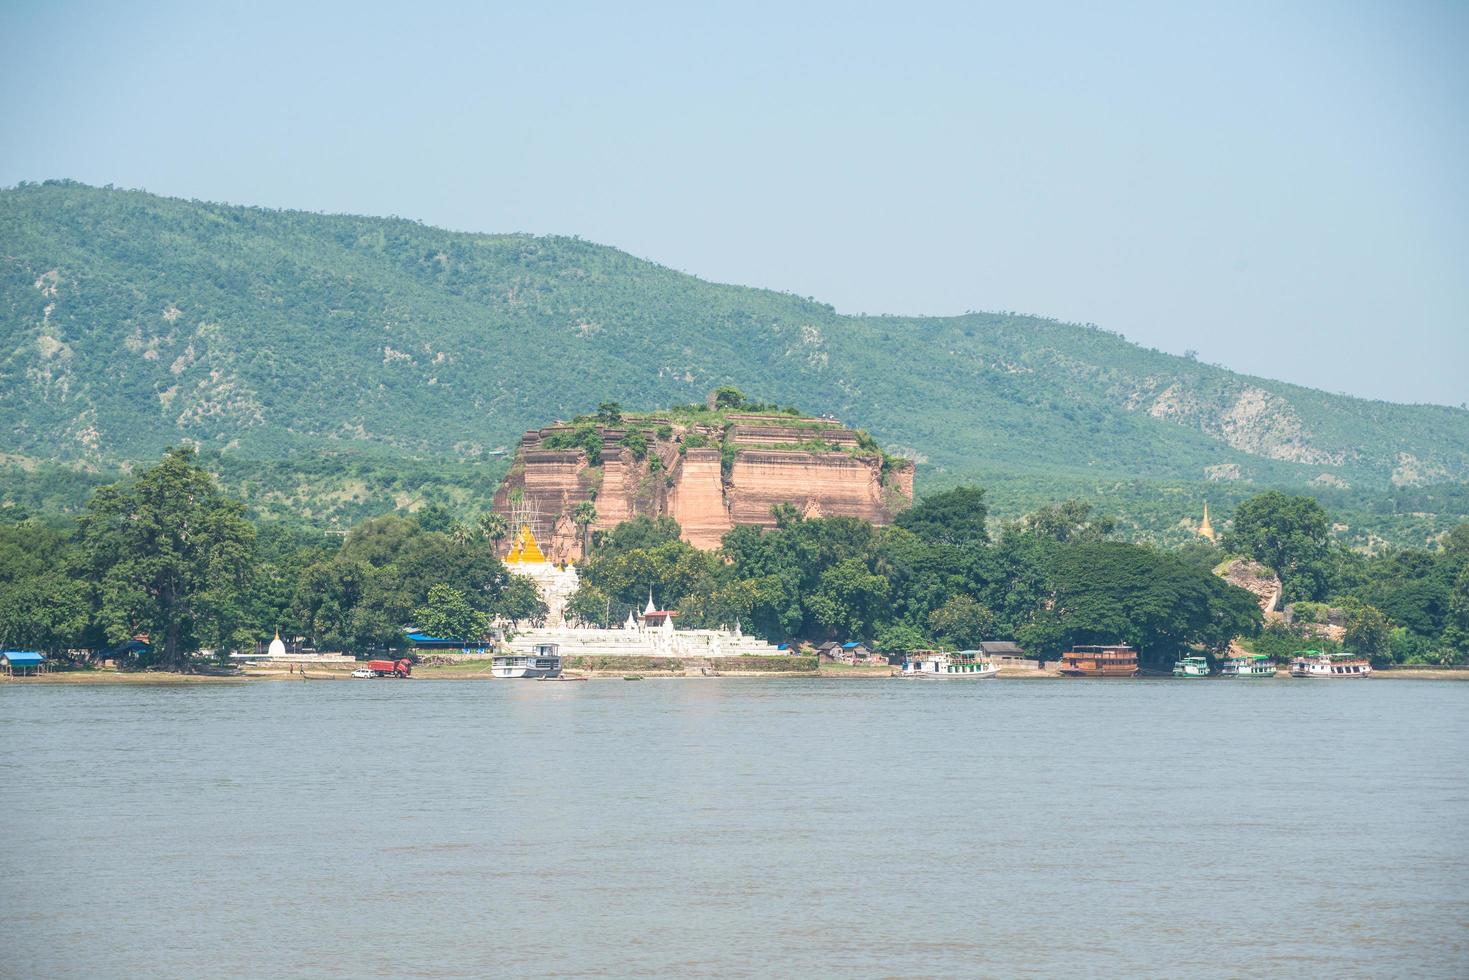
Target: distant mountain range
[{"x": 132, "y": 322}]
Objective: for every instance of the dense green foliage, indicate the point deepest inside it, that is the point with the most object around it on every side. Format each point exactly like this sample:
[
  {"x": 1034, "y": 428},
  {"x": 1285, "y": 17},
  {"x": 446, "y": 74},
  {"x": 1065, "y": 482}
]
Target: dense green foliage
[
  {"x": 949, "y": 517},
  {"x": 44, "y": 601},
  {"x": 1054, "y": 578},
  {"x": 1408, "y": 605},
  {"x": 165, "y": 558},
  {"x": 448, "y": 614},
  {"x": 1288, "y": 535},
  {"x": 939, "y": 582},
  {"x": 308, "y": 355},
  {"x": 382, "y": 580},
  {"x": 167, "y": 555}
]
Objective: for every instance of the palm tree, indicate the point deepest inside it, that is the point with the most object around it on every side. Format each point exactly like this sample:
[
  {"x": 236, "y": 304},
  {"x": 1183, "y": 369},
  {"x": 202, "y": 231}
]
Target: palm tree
[
  {"x": 494, "y": 527},
  {"x": 461, "y": 533},
  {"x": 584, "y": 515}
]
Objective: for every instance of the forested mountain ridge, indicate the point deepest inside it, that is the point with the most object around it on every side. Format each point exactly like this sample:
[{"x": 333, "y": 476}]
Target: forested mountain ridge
[{"x": 132, "y": 322}]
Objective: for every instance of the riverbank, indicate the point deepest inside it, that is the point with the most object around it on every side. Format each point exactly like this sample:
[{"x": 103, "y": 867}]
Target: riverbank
[{"x": 606, "y": 669}]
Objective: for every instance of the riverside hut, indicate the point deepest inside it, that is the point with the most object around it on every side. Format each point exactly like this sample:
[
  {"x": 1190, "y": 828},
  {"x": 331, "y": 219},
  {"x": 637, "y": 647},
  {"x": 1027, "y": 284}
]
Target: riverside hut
[
  {"x": 1006, "y": 653},
  {"x": 20, "y": 663},
  {"x": 853, "y": 652}
]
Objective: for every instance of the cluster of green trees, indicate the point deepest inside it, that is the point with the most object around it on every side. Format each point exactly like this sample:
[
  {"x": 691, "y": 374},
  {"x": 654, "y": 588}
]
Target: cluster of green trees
[
  {"x": 1053, "y": 578},
  {"x": 1401, "y": 605},
  {"x": 168, "y": 556},
  {"x": 935, "y": 577}
]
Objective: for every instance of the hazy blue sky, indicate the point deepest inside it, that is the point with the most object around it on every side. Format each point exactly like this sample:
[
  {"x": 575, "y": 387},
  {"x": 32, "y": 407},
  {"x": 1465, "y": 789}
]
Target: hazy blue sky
[{"x": 1283, "y": 187}]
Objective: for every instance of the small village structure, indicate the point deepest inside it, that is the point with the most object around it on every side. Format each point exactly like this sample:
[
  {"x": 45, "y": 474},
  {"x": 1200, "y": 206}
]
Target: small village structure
[
  {"x": 1007, "y": 653},
  {"x": 851, "y": 652},
  {"x": 22, "y": 663}
]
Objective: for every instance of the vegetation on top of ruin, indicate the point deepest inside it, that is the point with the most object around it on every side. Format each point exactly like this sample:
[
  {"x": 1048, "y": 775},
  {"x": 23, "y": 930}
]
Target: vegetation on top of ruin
[
  {"x": 707, "y": 426},
  {"x": 724, "y": 407}
]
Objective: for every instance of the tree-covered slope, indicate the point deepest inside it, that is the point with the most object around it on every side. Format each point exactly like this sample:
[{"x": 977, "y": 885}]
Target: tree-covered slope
[{"x": 132, "y": 322}]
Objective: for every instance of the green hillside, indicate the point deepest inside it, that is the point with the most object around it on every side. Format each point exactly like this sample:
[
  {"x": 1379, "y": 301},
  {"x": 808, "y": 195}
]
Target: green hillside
[{"x": 132, "y": 322}]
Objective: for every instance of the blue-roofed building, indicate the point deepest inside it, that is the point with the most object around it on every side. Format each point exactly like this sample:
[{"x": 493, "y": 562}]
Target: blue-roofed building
[
  {"x": 851, "y": 652},
  {"x": 19, "y": 663},
  {"x": 426, "y": 642},
  {"x": 857, "y": 653}
]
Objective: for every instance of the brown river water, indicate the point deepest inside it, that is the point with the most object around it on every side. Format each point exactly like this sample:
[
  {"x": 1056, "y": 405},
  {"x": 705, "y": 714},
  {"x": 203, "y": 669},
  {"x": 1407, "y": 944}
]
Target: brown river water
[{"x": 736, "y": 827}]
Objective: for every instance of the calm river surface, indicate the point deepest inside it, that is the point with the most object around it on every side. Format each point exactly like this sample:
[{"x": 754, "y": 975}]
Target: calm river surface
[{"x": 736, "y": 827}]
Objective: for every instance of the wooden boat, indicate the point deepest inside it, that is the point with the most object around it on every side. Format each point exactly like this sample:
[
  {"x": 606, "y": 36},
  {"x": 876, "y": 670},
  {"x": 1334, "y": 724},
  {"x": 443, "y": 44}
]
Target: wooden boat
[
  {"x": 939, "y": 663},
  {"x": 1250, "y": 665},
  {"x": 1314, "y": 663},
  {"x": 1099, "y": 661}
]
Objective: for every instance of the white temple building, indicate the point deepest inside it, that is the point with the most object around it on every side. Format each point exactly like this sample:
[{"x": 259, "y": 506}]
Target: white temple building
[
  {"x": 276, "y": 652},
  {"x": 650, "y": 633}
]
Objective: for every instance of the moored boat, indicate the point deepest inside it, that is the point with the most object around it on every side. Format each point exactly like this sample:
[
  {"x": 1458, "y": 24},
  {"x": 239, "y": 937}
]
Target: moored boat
[
  {"x": 1249, "y": 665},
  {"x": 1099, "y": 661},
  {"x": 941, "y": 663},
  {"x": 543, "y": 661},
  {"x": 1314, "y": 663},
  {"x": 1191, "y": 667}
]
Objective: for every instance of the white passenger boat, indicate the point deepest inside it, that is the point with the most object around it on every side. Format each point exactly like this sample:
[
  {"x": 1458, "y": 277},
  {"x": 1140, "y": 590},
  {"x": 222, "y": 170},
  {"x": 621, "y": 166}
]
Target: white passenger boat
[
  {"x": 544, "y": 660},
  {"x": 940, "y": 663},
  {"x": 1250, "y": 665},
  {"x": 1314, "y": 663},
  {"x": 1191, "y": 667}
]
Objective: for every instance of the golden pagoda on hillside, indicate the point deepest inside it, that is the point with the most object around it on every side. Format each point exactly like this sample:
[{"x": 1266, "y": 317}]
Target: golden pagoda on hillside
[{"x": 1206, "y": 530}]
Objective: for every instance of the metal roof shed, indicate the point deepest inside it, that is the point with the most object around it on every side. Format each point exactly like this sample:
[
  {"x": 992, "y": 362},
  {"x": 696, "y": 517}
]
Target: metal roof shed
[{"x": 21, "y": 661}]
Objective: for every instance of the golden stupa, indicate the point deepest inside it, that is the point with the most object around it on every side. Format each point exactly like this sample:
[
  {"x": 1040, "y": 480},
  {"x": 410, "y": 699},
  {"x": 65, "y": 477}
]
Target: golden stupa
[
  {"x": 529, "y": 550},
  {"x": 1206, "y": 530}
]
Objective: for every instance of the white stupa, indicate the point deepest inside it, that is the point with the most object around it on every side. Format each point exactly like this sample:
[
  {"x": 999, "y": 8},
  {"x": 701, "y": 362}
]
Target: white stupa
[{"x": 277, "y": 646}]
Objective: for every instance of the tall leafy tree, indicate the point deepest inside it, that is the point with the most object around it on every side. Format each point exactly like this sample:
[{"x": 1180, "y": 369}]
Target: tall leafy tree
[
  {"x": 1456, "y": 633},
  {"x": 1369, "y": 633},
  {"x": 448, "y": 614},
  {"x": 43, "y": 602},
  {"x": 849, "y": 600},
  {"x": 1287, "y": 534},
  {"x": 962, "y": 621},
  {"x": 1071, "y": 521},
  {"x": 170, "y": 556},
  {"x": 954, "y": 516}
]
